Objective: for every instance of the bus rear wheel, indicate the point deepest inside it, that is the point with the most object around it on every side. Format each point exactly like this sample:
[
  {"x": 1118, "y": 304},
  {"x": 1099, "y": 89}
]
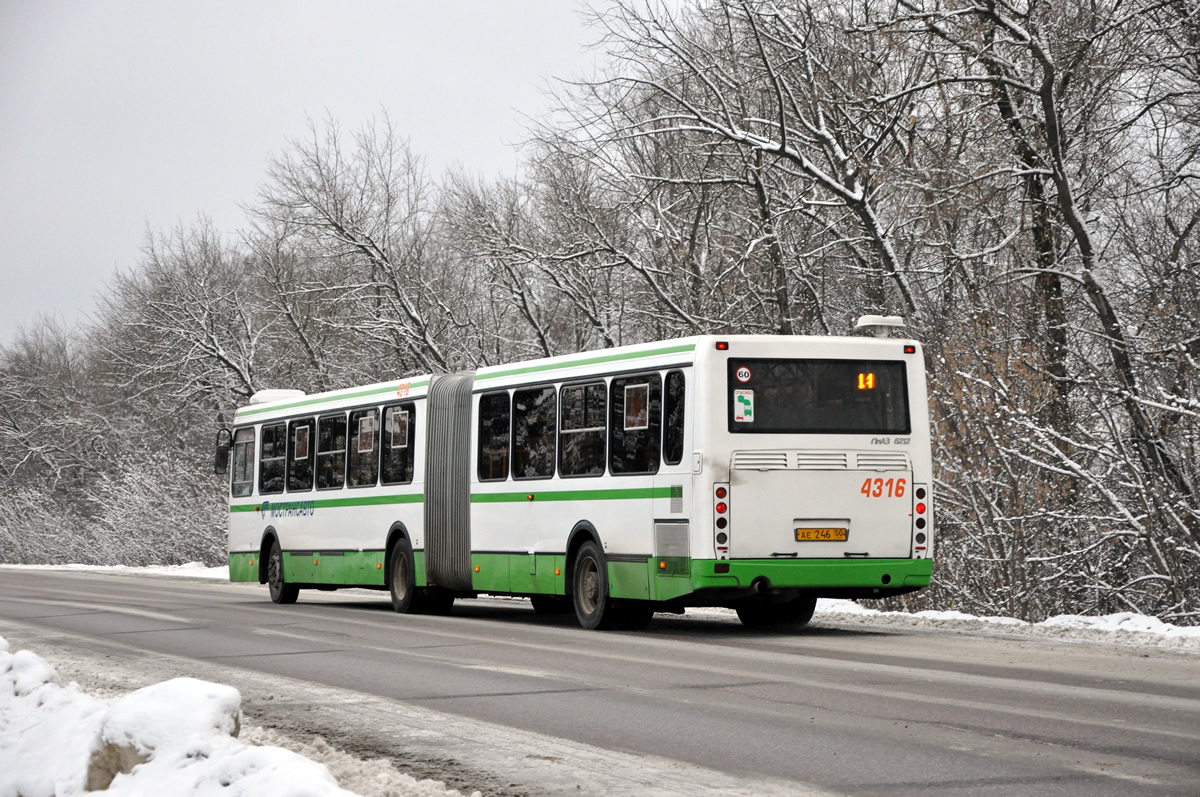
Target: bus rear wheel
[
  {"x": 767, "y": 614},
  {"x": 402, "y": 578},
  {"x": 589, "y": 589},
  {"x": 281, "y": 592}
]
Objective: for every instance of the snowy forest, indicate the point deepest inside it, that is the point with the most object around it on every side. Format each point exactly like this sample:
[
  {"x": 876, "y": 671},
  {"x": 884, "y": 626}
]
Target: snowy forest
[{"x": 1019, "y": 180}]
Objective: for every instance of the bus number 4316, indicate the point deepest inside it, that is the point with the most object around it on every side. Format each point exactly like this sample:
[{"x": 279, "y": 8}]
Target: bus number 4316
[{"x": 879, "y": 488}]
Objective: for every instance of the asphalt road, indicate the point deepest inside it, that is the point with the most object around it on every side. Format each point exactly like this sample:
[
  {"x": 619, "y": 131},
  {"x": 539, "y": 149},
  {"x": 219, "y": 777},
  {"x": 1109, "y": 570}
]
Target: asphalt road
[{"x": 845, "y": 709}]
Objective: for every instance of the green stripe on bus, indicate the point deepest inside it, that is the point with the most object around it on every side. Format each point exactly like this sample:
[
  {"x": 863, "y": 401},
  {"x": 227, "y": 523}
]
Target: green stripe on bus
[
  {"x": 389, "y": 391},
  {"x": 572, "y": 495},
  {"x": 331, "y": 503},
  {"x": 603, "y": 358}
]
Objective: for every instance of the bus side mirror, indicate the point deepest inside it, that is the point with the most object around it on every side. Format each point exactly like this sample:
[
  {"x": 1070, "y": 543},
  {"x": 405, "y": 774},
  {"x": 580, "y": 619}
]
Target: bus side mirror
[{"x": 221, "y": 462}]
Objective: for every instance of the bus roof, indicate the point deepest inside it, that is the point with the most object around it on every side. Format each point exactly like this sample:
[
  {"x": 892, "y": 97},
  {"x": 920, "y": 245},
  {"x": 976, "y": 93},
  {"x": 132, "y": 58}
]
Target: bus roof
[{"x": 679, "y": 349}]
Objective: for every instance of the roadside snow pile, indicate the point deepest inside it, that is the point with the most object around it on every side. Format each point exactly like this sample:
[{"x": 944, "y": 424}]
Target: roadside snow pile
[
  {"x": 1124, "y": 628},
  {"x": 189, "y": 570},
  {"x": 175, "y": 737},
  {"x": 1125, "y": 621}
]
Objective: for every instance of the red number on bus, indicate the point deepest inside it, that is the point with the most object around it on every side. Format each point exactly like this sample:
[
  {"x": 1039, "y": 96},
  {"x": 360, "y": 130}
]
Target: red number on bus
[{"x": 875, "y": 488}]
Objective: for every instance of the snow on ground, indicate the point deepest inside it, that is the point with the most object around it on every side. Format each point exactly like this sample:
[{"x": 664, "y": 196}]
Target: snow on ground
[
  {"x": 176, "y": 737},
  {"x": 182, "y": 736},
  {"x": 1125, "y": 629},
  {"x": 189, "y": 570}
]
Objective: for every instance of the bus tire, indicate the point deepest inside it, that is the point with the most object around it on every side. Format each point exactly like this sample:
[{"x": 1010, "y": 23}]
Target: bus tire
[
  {"x": 281, "y": 592},
  {"x": 769, "y": 615},
  {"x": 589, "y": 588},
  {"x": 402, "y": 578}
]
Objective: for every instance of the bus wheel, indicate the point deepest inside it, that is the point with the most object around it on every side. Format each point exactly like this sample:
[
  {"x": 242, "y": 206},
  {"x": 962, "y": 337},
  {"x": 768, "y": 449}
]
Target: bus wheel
[
  {"x": 766, "y": 614},
  {"x": 589, "y": 589},
  {"x": 403, "y": 578},
  {"x": 280, "y": 591}
]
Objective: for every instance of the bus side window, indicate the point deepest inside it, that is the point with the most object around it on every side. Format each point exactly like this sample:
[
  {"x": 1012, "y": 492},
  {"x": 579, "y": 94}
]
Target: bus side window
[
  {"x": 635, "y": 409},
  {"x": 581, "y": 430},
  {"x": 364, "y": 462},
  {"x": 300, "y": 455},
  {"x": 274, "y": 454},
  {"x": 397, "y": 449},
  {"x": 534, "y": 418},
  {"x": 331, "y": 452},
  {"x": 494, "y": 414},
  {"x": 242, "y": 479},
  {"x": 673, "y": 418}
]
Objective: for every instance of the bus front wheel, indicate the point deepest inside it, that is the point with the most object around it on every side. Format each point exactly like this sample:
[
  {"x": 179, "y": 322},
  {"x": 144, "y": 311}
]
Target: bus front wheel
[{"x": 281, "y": 592}]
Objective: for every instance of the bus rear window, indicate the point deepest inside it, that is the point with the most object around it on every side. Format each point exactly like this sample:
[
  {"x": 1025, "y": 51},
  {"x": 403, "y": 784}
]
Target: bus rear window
[{"x": 817, "y": 397}]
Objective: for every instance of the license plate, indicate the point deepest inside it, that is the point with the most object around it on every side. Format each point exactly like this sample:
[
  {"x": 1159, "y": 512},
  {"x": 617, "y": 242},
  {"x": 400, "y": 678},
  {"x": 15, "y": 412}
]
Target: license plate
[{"x": 821, "y": 535}]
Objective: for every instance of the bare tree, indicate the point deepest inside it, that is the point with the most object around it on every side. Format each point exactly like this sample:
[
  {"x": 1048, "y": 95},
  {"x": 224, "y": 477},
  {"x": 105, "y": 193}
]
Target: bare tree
[{"x": 366, "y": 213}]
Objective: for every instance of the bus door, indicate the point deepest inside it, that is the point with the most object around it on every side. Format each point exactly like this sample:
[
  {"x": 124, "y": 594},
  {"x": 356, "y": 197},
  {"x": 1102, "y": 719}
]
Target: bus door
[{"x": 673, "y": 484}]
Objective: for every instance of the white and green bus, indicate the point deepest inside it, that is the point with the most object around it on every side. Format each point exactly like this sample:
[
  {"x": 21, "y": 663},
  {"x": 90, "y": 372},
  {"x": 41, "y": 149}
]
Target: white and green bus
[{"x": 752, "y": 472}]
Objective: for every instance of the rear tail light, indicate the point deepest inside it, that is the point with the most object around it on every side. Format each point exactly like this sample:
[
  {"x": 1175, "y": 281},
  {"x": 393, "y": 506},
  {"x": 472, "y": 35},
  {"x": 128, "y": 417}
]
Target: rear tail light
[
  {"x": 922, "y": 546},
  {"x": 721, "y": 520}
]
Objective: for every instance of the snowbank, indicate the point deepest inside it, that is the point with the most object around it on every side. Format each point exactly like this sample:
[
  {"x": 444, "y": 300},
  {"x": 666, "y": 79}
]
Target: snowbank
[
  {"x": 177, "y": 737},
  {"x": 1125, "y": 628},
  {"x": 189, "y": 570}
]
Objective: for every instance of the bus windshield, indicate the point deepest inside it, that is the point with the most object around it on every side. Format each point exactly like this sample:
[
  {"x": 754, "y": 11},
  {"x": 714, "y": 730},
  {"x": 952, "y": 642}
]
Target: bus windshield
[{"x": 776, "y": 396}]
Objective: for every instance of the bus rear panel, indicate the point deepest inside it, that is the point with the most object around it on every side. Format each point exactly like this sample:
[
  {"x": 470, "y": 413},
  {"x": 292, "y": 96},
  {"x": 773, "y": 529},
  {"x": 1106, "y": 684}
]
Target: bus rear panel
[{"x": 819, "y": 468}]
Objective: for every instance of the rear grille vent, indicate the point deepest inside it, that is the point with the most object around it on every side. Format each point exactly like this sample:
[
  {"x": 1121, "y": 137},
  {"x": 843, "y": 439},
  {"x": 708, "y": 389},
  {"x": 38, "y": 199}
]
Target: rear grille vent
[
  {"x": 883, "y": 460},
  {"x": 760, "y": 460},
  {"x": 671, "y": 539},
  {"x": 820, "y": 460}
]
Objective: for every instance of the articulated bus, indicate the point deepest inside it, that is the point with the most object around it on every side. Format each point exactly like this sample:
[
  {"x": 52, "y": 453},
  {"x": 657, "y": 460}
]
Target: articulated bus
[{"x": 751, "y": 472}]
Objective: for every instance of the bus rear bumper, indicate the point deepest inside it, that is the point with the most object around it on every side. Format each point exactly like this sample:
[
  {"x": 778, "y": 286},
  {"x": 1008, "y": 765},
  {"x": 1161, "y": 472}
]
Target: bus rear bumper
[{"x": 843, "y": 578}]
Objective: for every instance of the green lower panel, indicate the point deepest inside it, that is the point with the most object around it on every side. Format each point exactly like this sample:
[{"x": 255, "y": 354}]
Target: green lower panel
[
  {"x": 668, "y": 587},
  {"x": 815, "y": 573},
  {"x": 420, "y": 578},
  {"x": 243, "y": 567},
  {"x": 629, "y": 580},
  {"x": 302, "y": 567},
  {"x": 556, "y": 578},
  {"x": 491, "y": 572},
  {"x": 373, "y": 573},
  {"x": 522, "y": 572},
  {"x": 349, "y": 568},
  {"x": 519, "y": 573}
]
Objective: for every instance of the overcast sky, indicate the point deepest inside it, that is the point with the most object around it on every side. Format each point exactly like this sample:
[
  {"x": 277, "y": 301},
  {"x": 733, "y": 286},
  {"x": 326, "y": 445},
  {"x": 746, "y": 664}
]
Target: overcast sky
[{"x": 118, "y": 117}]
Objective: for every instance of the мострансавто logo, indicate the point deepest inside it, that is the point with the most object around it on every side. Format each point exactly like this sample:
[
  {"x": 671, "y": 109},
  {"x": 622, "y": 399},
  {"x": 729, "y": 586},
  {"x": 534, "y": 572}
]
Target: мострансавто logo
[{"x": 287, "y": 509}]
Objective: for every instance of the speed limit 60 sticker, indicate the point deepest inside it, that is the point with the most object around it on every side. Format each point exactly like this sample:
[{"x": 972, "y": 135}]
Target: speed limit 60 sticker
[{"x": 742, "y": 374}]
